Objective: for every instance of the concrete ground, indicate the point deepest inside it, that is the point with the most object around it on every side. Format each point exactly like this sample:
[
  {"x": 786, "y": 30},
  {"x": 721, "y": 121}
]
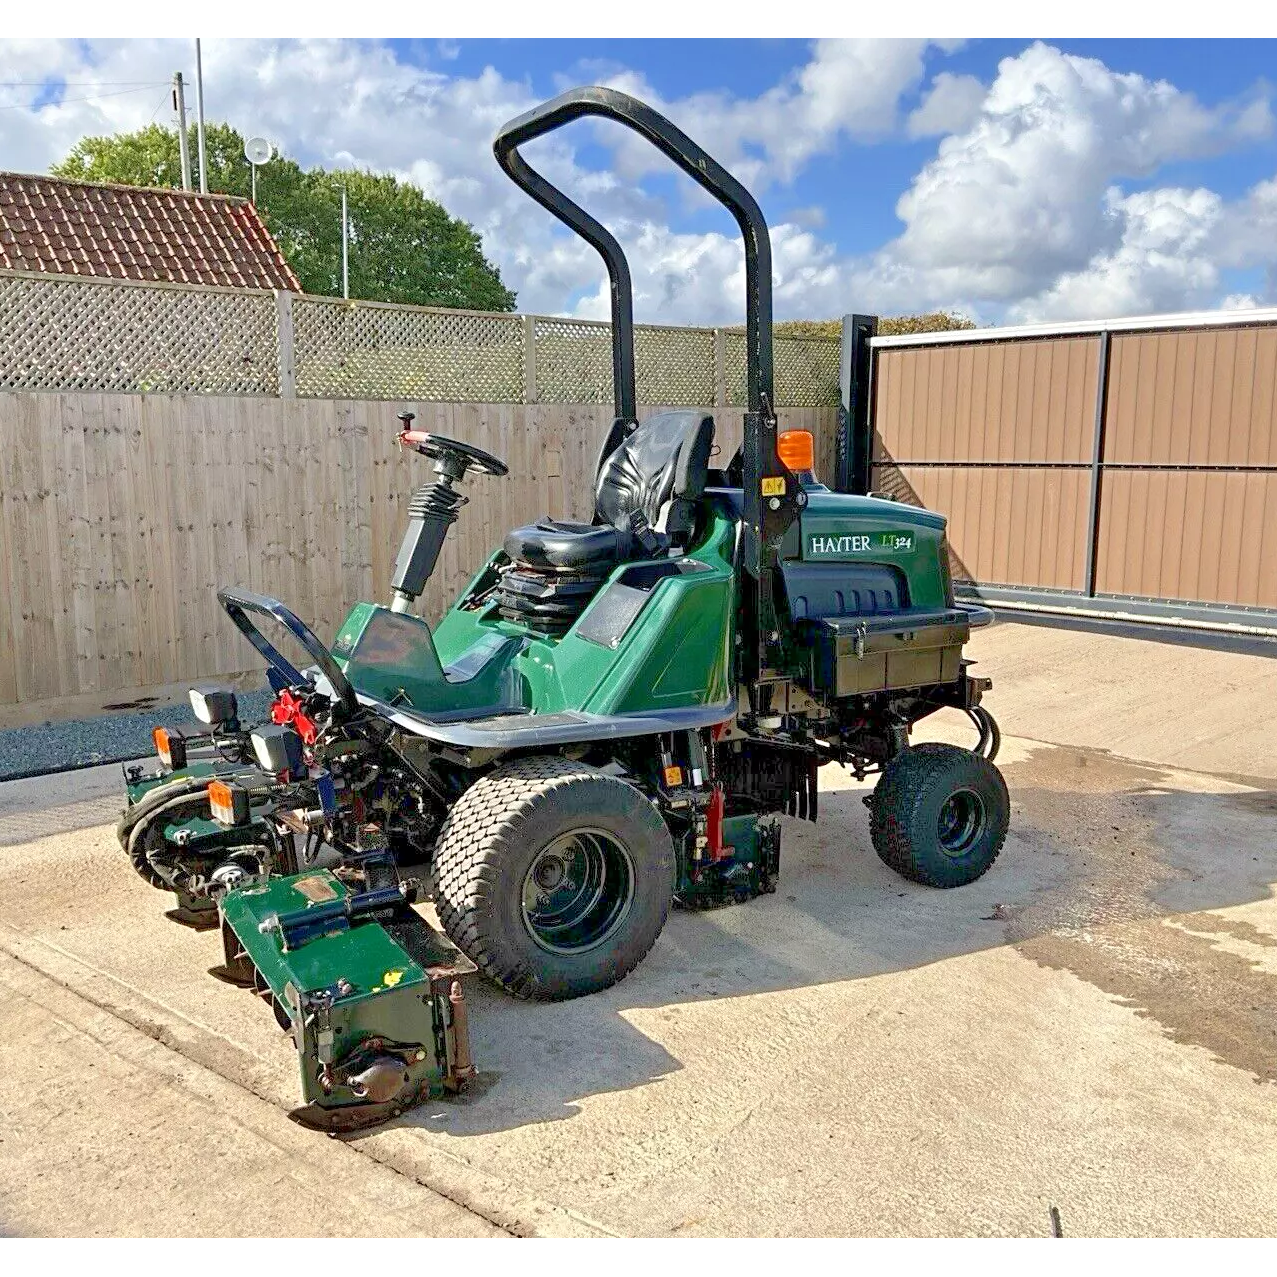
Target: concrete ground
[{"x": 1091, "y": 1027}]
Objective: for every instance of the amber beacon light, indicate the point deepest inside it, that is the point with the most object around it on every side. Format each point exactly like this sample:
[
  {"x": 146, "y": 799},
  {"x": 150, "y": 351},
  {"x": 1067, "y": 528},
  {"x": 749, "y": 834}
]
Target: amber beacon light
[{"x": 797, "y": 449}]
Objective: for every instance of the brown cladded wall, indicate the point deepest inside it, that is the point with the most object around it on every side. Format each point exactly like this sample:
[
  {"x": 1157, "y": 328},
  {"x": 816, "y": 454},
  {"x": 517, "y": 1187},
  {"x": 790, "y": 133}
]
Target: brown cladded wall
[{"x": 1000, "y": 435}]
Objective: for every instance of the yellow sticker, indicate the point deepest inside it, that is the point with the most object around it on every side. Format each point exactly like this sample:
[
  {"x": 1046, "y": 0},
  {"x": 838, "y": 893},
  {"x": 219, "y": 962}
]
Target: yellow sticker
[
  {"x": 391, "y": 978},
  {"x": 774, "y": 487}
]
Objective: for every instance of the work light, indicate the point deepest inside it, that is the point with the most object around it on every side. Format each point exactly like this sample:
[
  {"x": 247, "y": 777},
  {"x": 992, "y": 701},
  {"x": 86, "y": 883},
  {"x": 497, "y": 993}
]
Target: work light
[
  {"x": 278, "y": 750},
  {"x": 214, "y": 705}
]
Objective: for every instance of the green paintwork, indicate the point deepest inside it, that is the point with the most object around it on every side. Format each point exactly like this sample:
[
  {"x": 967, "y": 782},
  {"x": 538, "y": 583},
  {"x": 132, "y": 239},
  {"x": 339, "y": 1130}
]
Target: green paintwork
[
  {"x": 390, "y": 994},
  {"x": 138, "y": 789},
  {"x": 836, "y": 527},
  {"x": 676, "y": 653},
  {"x": 361, "y": 954}
]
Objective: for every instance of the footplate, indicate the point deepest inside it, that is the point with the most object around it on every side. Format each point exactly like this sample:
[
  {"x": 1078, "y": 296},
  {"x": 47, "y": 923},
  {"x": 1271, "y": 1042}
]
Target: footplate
[{"x": 369, "y": 991}]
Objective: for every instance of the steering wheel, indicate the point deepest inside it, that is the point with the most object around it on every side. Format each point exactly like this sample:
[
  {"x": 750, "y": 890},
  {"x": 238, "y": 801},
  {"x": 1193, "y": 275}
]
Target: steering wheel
[{"x": 455, "y": 457}]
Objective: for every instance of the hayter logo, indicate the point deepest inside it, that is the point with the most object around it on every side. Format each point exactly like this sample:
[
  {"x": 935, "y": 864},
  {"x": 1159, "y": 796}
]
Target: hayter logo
[
  {"x": 820, "y": 546},
  {"x": 839, "y": 545}
]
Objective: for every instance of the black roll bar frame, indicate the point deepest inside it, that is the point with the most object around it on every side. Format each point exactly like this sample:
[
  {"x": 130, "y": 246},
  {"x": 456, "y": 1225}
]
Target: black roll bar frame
[{"x": 772, "y": 495}]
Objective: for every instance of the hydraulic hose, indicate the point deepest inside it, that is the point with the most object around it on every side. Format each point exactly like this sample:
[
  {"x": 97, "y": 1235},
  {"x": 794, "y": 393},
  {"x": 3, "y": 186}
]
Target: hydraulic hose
[{"x": 990, "y": 734}]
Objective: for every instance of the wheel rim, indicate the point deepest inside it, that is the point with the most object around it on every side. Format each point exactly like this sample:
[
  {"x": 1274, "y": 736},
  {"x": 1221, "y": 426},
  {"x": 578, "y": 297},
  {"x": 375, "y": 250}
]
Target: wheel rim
[
  {"x": 962, "y": 821},
  {"x": 578, "y": 891}
]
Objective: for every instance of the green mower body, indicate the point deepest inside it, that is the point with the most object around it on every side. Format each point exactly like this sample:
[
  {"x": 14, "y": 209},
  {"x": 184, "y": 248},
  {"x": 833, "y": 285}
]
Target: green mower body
[{"x": 608, "y": 722}]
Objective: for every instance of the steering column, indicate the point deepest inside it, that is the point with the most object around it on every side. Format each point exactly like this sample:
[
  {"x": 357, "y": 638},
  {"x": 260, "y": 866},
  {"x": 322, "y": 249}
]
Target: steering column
[{"x": 433, "y": 508}]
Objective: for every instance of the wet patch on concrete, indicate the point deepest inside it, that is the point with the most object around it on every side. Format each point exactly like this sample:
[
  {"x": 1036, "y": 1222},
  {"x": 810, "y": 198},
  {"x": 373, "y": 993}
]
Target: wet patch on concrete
[
  {"x": 1200, "y": 995},
  {"x": 1217, "y": 924},
  {"x": 1140, "y": 849}
]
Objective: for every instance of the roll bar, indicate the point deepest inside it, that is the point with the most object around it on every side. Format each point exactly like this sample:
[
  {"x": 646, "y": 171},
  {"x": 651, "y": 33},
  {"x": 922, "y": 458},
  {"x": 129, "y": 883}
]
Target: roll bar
[
  {"x": 772, "y": 494},
  {"x": 238, "y": 603},
  {"x": 697, "y": 164}
]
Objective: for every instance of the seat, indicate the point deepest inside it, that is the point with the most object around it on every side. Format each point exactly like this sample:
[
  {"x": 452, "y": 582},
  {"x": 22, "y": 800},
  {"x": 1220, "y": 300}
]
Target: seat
[
  {"x": 552, "y": 543},
  {"x": 647, "y": 483}
]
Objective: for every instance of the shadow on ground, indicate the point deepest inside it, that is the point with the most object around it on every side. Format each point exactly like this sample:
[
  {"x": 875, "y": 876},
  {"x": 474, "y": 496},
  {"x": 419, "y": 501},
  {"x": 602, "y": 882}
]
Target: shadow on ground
[
  {"x": 1113, "y": 871},
  {"x": 1110, "y": 872}
]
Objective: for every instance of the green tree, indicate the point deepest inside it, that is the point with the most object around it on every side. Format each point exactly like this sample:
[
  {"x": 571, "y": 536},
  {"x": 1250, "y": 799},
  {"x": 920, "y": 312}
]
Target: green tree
[
  {"x": 936, "y": 322},
  {"x": 403, "y": 247},
  {"x": 888, "y": 325}
]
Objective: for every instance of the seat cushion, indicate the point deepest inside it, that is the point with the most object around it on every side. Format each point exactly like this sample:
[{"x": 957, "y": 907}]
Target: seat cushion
[
  {"x": 657, "y": 470},
  {"x": 568, "y": 547}
]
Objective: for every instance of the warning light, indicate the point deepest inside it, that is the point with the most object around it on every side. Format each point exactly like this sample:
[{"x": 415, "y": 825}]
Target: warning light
[
  {"x": 170, "y": 745},
  {"x": 228, "y": 804},
  {"x": 797, "y": 449}
]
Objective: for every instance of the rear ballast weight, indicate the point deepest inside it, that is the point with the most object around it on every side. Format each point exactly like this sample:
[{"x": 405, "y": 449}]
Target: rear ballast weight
[{"x": 610, "y": 720}]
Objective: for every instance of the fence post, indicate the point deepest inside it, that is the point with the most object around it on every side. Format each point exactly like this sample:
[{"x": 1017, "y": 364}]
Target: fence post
[
  {"x": 720, "y": 368},
  {"x": 854, "y": 449},
  {"x": 284, "y": 345},
  {"x": 1097, "y": 461},
  {"x": 529, "y": 359}
]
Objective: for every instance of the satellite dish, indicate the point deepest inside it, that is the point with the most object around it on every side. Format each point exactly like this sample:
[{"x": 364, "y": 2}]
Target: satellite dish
[{"x": 257, "y": 150}]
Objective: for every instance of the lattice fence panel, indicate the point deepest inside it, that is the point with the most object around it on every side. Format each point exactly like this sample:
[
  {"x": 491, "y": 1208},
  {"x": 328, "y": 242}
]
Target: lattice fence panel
[
  {"x": 734, "y": 367},
  {"x": 363, "y": 350},
  {"x": 675, "y": 366},
  {"x": 573, "y": 361},
  {"x": 60, "y": 333},
  {"x": 806, "y": 372}
]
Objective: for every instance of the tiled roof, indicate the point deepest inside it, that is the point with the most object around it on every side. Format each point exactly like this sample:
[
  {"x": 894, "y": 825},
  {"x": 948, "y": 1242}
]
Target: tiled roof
[{"x": 136, "y": 232}]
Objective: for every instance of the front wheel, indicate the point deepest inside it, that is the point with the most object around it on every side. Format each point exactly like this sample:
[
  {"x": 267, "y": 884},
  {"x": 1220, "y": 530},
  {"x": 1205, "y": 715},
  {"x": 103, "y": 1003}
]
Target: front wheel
[
  {"x": 939, "y": 815},
  {"x": 553, "y": 877}
]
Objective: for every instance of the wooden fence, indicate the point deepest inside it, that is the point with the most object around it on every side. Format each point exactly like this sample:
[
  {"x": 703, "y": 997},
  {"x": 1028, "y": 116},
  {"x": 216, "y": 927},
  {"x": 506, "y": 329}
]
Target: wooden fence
[{"x": 121, "y": 515}]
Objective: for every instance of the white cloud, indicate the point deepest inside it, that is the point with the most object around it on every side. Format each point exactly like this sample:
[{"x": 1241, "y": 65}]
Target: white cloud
[
  {"x": 849, "y": 89},
  {"x": 951, "y": 105},
  {"x": 1030, "y": 206},
  {"x": 1019, "y": 213},
  {"x": 1162, "y": 261}
]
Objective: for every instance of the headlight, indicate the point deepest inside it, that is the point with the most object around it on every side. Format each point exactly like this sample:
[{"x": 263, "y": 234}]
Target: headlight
[
  {"x": 214, "y": 705},
  {"x": 278, "y": 750}
]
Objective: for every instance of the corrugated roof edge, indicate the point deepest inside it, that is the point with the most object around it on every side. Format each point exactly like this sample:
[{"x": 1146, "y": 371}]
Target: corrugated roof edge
[{"x": 1082, "y": 327}]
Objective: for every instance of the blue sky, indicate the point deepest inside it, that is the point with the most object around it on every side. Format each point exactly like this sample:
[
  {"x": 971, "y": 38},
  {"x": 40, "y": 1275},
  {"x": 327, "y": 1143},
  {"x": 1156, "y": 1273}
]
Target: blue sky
[{"x": 1009, "y": 179}]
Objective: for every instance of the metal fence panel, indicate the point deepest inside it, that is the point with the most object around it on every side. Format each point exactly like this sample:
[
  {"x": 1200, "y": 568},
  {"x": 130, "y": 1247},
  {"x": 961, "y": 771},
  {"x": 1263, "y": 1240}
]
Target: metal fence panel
[
  {"x": 1133, "y": 466},
  {"x": 1193, "y": 398}
]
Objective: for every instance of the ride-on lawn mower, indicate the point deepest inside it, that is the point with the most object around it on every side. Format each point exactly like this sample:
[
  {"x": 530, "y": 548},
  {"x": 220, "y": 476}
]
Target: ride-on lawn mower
[{"x": 605, "y": 723}]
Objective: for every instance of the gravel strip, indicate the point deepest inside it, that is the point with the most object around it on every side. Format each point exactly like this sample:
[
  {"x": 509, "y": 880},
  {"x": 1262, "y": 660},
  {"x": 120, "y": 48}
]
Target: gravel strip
[{"x": 110, "y": 738}]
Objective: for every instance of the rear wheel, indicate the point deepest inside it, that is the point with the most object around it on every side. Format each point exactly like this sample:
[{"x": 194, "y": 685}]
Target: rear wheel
[
  {"x": 553, "y": 877},
  {"x": 939, "y": 815}
]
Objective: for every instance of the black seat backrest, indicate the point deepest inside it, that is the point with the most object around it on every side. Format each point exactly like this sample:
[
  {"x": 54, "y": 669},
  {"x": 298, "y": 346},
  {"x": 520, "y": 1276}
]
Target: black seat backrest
[{"x": 659, "y": 468}]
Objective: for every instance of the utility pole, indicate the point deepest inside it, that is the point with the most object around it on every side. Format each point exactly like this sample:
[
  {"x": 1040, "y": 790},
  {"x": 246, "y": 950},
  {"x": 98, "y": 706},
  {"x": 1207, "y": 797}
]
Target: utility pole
[
  {"x": 199, "y": 118},
  {"x": 183, "y": 143},
  {"x": 345, "y": 247}
]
